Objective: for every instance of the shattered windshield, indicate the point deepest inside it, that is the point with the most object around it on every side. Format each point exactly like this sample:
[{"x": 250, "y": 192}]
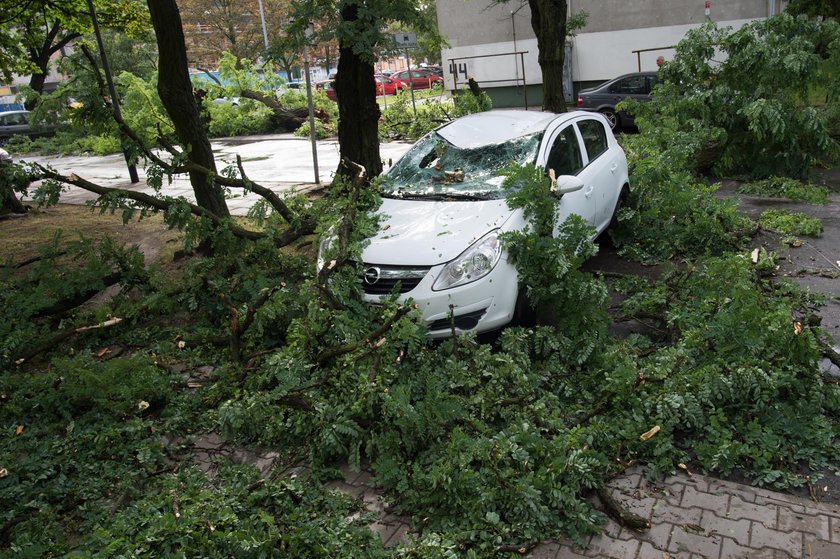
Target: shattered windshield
[{"x": 434, "y": 167}]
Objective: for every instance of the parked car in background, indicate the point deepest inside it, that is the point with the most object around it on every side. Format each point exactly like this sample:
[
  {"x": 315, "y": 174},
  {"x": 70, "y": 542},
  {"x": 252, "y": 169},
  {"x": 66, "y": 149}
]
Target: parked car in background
[
  {"x": 387, "y": 86},
  {"x": 445, "y": 205},
  {"x": 606, "y": 96},
  {"x": 17, "y": 123},
  {"x": 328, "y": 87},
  {"x": 436, "y": 70},
  {"x": 420, "y": 78}
]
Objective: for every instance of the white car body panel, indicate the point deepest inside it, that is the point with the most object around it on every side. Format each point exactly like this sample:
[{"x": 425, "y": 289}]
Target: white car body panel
[{"x": 422, "y": 232}]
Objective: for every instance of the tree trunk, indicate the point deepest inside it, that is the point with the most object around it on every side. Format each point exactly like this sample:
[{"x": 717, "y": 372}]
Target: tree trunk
[
  {"x": 285, "y": 119},
  {"x": 548, "y": 19},
  {"x": 176, "y": 93},
  {"x": 11, "y": 205},
  {"x": 358, "y": 112}
]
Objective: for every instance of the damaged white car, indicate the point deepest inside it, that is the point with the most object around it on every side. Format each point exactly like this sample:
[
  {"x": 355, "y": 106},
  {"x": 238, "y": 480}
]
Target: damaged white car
[{"x": 444, "y": 207}]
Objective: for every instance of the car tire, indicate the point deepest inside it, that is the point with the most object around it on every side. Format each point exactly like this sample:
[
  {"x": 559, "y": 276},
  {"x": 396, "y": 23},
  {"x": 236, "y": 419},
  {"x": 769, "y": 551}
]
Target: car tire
[
  {"x": 612, "y": 118},
  {"x": 622, "y": 199}
]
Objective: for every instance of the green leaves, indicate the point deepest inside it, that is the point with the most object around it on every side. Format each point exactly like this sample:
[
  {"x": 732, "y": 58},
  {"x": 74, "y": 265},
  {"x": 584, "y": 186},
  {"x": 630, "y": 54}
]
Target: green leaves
[{"x": 755, "y": 107}]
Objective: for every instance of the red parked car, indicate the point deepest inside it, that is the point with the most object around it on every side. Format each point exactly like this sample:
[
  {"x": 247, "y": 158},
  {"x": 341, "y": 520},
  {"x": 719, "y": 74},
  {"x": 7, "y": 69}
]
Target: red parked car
[
  {"x": 328, "y": 86},
  {"x": 388, "y": 86},
  {"x": 420, "y": 78}
]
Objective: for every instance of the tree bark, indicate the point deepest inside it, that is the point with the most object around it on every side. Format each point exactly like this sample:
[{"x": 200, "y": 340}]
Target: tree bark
[
  {"x": 176, "y": 93},
  {"x": 358, "y": 112},
  {"x": 548, "y": 20}
]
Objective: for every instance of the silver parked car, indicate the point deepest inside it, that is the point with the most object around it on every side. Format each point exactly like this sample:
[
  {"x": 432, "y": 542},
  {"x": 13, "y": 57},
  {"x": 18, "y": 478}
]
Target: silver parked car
[
  {"x": 16, "y": 123},
  {"x": 605, "y": 97}
]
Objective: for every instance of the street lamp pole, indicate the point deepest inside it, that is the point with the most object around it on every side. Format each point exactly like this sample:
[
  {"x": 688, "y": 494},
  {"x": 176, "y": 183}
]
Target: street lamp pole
[
  {"x": 312, "y": 132},
  {"x": 262, "y": 19}
]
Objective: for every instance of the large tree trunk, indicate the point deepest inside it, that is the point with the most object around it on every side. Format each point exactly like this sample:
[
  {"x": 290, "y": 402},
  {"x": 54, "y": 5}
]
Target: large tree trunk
[
  {"x": 548, "y": 19},
  {"x": 176, "y": 93},
  {"x": 358, "y": 113}
]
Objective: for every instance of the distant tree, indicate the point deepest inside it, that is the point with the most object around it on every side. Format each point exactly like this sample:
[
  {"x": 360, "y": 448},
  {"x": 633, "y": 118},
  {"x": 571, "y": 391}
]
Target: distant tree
[
  {"x": 287, "y": 52},
  {"x": 825, "y": 8},
  {"x": 359, "y": 26},
  {"x": 32, "y": 32}
]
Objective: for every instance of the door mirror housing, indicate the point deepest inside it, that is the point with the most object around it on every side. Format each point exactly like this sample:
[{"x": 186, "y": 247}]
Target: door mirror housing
[{"x": 564, "y": 184}]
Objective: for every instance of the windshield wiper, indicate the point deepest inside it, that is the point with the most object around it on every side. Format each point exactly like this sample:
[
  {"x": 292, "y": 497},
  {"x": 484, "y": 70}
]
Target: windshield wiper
[{"x": 440, "y": 196}]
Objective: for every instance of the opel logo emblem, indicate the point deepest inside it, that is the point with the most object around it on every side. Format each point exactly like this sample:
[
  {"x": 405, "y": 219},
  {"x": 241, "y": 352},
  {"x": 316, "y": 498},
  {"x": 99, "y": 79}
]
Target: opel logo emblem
[{"x": 372, "y": 275}]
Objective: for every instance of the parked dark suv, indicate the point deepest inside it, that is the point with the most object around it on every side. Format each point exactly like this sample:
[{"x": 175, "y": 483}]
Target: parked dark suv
[{"x": 606, "y": 96}]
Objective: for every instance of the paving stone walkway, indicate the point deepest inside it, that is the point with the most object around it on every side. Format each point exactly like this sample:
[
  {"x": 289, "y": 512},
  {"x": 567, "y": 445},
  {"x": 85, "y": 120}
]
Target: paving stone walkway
[{"x": 691, "y": 518}]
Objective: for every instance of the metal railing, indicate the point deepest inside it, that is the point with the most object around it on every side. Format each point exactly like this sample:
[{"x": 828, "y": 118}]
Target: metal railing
[
  {"x": 453, "y": 69},
  {"x": 639, "y": 52}
]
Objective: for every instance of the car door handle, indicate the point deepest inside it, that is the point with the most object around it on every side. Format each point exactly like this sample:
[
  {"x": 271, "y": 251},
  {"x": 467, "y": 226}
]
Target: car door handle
[
  {"x": 588, "y": 191},
  {"x": 613, "y": 168}
]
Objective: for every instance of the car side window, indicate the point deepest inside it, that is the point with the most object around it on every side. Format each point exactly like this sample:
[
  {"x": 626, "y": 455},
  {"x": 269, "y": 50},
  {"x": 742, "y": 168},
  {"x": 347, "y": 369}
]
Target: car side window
[
  {"x": 594, "y": 138},
  {"x": 634, "y": 85},
  {"x": 565, "y": 157}
]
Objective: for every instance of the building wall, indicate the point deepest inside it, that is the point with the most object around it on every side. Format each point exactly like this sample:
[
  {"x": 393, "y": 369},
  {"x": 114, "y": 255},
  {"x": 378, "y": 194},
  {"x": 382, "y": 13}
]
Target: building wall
[{"x": 600, "y": 51}]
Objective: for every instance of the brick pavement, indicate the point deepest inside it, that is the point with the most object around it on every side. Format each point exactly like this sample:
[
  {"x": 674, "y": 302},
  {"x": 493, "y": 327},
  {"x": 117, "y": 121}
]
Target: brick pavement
[{"x": 691, "y": 518}]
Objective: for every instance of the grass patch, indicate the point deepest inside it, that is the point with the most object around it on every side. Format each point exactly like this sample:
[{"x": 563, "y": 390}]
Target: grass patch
[
  {"x": 783, "y": 187},
  {"x": 20, "y": 239},
  {"x": 791, "y": 223}
]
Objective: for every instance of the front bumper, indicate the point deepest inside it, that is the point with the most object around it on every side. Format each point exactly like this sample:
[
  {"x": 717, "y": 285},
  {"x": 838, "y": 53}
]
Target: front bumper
[{"x": 485, "y": 304}]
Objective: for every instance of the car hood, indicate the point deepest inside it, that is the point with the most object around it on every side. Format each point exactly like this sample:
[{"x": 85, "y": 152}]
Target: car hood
[{"x": 427, "y": 233}]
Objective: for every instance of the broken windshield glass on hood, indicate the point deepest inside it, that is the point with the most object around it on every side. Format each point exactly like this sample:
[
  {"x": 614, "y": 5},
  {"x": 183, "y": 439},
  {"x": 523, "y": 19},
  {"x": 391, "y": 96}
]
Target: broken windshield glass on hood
[{"x": 435, "y": 166}]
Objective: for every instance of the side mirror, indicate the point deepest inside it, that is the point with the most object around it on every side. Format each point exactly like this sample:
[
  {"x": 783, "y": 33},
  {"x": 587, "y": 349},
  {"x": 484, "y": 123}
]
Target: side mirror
[{"x": 564, "y": 184}]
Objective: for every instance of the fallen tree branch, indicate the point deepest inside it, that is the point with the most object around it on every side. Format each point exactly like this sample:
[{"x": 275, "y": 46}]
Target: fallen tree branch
[
  {"x": 68, "y": 304},
  {"x": 287, "y": 119},
  {"x": 34, "y": 259},
  {"x": 146, "y": 199},
  {"x": 345, "y": 228},
  {"x": 828, "y": 351},
  {"x": 62, "y": 336},
  {"x": 337, "y": 351},
  {"x": 620, "y": 514}
]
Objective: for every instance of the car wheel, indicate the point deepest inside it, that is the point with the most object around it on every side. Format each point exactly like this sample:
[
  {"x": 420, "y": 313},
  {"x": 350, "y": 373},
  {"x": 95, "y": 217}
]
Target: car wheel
[
  {"x": 612, "y": 119},
  {"x": 622, "y": 199}
]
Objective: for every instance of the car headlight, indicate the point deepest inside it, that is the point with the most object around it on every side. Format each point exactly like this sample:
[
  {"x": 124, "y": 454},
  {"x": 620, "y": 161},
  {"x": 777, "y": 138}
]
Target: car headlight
[{"x": 472, "y": 264}]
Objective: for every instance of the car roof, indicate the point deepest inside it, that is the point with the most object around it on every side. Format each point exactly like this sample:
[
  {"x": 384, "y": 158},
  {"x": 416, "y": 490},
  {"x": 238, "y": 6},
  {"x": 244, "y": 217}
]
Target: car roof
[
  {"x": 495, "y": 127},
  {"x": 630, "y": 75},
  {"x": 13, "y": 112}
]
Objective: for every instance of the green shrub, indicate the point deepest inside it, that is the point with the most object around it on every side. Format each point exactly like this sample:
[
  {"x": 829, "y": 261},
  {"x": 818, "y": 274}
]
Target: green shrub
[{"x": 669, "y": 212}]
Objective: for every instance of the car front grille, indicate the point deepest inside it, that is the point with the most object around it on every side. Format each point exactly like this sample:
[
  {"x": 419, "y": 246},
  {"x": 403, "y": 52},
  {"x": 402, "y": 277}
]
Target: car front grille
[{"x": 380, "y": 280}]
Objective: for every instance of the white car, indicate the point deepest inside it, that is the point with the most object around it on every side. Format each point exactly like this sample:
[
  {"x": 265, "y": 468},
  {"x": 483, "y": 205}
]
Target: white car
[{"x": 443, "y": 209}]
